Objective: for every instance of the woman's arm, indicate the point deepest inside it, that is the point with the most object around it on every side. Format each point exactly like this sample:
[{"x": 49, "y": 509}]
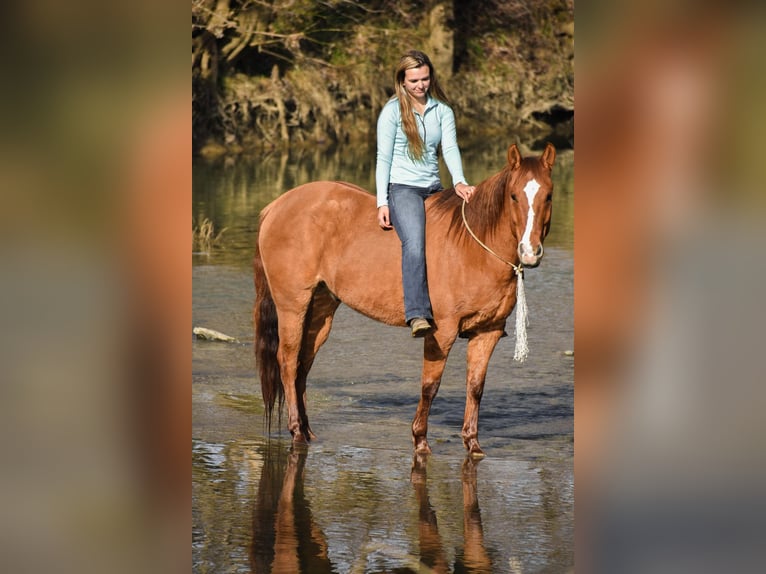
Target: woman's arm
[
  {"x": 451, "y": 154},
  {"x": 450, "y": 150},
  {"x": 387, "y": 124}
]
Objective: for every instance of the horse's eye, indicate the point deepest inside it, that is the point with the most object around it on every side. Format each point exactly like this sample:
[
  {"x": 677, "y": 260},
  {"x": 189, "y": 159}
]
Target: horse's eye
[
  {"x": 513, "y": 197},
  {"x": 549, "y": 197}
]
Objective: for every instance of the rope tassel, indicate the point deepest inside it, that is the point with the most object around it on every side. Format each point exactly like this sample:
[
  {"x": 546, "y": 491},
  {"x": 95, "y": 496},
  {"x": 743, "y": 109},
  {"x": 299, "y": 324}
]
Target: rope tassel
[{"x": 522, "y": 350}]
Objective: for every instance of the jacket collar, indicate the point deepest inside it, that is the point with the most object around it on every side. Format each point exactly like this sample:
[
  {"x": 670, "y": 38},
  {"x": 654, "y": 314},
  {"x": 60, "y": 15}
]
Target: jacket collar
[{"x": 430, "y": 103}]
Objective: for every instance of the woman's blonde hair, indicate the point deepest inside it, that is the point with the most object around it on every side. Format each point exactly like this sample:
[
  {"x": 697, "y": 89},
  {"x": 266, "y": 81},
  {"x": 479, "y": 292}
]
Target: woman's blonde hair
[{"x": 414, "y": 59}]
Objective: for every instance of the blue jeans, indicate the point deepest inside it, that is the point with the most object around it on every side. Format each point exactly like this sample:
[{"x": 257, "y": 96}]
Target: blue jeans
[{"x": 408, "y": 216}]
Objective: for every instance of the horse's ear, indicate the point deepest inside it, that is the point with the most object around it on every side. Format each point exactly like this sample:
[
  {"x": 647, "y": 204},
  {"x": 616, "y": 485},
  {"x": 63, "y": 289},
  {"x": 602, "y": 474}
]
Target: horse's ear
[
  {"x": 514, "y": 157},
  {"x": 549, "y": 155}
]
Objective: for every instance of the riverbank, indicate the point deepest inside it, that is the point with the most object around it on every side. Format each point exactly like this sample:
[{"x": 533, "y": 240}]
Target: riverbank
[{"x": 265, "y": 77}]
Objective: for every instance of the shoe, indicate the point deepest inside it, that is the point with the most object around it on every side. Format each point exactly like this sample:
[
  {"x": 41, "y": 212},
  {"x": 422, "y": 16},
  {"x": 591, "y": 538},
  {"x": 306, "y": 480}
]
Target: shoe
[{"x": 420, "y": 327}]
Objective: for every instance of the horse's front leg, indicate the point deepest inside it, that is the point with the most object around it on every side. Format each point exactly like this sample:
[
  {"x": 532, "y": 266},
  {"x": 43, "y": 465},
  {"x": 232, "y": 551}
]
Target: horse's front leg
[
  {"x": 480, "y": 349},
  {"x": 436, "y": 349}
]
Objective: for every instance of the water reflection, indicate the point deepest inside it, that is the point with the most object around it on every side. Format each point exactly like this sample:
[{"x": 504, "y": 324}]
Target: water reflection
[
  {"x": 474, "y": 557},
  {"x": 288, "y": 540}
]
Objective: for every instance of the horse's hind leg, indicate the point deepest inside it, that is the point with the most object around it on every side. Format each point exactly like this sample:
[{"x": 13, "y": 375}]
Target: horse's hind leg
[
  {"x": 317, "y": 329},
  {"x": 290, "y": 335}
]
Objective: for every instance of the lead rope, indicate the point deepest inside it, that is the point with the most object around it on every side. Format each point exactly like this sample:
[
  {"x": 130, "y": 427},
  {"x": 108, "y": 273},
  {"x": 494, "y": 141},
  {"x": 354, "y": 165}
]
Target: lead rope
[{"x": 522, "y": 350}]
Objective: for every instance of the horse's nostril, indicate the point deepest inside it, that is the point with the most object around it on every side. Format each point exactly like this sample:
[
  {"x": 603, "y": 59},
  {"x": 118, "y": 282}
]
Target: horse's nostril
[{"x": 522, "y": 252}]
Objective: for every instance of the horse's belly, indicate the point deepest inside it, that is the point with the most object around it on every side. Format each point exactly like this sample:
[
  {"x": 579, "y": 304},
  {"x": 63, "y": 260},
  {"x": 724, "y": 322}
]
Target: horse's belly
[{"x": 369, "y": 282}]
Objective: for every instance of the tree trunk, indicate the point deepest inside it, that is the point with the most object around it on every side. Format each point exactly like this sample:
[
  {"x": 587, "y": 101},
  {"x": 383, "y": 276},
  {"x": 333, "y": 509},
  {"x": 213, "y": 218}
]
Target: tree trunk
[
  {"x": 441, "y": 45},
  {"x": 283, "y": 132}
]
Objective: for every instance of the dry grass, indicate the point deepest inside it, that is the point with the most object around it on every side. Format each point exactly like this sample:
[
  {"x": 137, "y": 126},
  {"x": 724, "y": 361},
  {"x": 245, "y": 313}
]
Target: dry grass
[{"x": 204, "y": 237}]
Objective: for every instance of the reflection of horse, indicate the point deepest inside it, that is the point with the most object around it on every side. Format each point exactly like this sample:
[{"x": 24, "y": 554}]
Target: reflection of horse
[
  {"x": 474, "y": 557},
  {"x": 319, "y": 245},
  {"x": 286, "y": 540}
]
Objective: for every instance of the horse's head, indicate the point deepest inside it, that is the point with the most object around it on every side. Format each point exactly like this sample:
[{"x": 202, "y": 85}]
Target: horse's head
[{"x": 531, "y": 190}]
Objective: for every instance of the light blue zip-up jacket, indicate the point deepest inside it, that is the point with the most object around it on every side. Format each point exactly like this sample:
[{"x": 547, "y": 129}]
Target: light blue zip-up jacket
[{"x": 394, "y": 165}]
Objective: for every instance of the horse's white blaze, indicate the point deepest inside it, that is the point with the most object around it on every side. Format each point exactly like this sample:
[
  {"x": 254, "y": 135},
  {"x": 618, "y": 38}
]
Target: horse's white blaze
[{"x": 531, "y": 190}]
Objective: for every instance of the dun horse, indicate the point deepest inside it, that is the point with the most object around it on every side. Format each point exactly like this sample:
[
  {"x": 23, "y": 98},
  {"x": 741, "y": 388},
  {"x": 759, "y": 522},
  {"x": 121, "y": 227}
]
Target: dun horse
[{"x": 320, "y": 244}]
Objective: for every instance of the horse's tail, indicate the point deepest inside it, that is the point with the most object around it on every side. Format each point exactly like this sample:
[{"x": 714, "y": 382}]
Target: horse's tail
[{"x": 266, "y": 341}]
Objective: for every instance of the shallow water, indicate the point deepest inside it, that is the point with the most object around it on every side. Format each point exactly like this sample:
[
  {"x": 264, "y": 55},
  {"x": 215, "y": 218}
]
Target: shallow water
[{"x": 356, "y": 500}]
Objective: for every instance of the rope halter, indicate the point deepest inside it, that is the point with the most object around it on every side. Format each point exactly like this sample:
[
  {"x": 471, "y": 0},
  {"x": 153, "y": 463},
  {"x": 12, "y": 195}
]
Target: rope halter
[{"x": 522, "y": 349}]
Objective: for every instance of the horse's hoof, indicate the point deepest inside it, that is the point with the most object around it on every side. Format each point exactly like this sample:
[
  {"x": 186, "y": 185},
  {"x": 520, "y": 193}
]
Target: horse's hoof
[
  {"x": 300, "y": 438},
  {"x": 474, "y": 450},
  {"x": 422, "y": 449}
]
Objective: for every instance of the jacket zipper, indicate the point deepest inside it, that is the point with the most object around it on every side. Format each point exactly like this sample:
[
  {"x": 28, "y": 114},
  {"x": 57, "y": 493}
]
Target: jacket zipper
[{"x": 423, "y": 121}]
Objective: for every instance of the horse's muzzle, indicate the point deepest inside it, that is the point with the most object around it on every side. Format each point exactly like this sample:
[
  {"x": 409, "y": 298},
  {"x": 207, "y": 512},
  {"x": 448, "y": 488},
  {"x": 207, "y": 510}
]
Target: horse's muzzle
[{"x": 528, "y": 258}]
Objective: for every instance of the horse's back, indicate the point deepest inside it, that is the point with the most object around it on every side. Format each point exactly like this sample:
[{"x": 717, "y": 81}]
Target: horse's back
[
  {"x": 322, "y": 195},
  {"x": 314, "y": 213},
  {"x": 327, "y": 231}
]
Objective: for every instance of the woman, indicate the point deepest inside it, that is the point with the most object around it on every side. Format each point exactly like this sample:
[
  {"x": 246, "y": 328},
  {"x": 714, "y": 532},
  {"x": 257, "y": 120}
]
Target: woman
[{"x": 411, "y": 126}]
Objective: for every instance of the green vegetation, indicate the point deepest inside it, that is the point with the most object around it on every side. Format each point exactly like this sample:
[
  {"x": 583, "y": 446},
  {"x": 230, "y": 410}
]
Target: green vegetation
[
  {"x": 204, "y": 236},
  {"x": 270, "y": 72}
]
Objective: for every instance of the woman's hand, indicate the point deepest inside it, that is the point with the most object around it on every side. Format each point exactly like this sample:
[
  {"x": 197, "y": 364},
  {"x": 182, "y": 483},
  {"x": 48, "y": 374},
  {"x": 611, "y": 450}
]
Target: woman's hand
[
  {"x": 465, "y": 191},
  {"x": 384, "y": 219}
]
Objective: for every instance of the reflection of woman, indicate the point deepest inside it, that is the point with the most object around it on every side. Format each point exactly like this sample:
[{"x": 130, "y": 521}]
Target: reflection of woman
[{"x": 411, "y": 127}]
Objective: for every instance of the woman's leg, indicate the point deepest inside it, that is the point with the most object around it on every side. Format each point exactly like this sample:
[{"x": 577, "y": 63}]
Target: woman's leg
[{"x": 408, "y": 216}]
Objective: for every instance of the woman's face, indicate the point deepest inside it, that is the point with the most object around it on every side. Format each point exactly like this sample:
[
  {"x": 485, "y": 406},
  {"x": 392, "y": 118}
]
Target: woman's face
[{"x": 417, "y": 81}]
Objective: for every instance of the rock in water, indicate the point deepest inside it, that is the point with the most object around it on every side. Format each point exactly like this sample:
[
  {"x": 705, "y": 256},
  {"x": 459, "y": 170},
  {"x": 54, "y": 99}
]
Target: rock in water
[{"x": 211, "y": 335}]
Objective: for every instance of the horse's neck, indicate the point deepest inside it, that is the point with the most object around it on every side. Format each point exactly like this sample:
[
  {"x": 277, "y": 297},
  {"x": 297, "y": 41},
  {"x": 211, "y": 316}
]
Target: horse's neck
[{"x": 500, "y": 241}]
